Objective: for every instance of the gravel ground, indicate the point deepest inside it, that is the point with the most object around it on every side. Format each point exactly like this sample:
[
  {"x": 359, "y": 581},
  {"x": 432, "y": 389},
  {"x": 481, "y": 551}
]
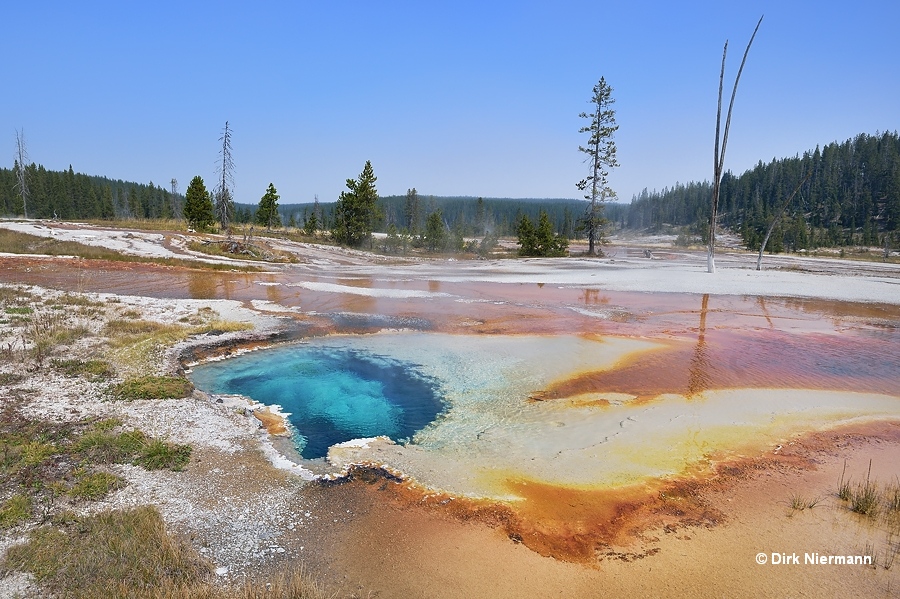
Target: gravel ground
[{"x": 231, "y": 502}]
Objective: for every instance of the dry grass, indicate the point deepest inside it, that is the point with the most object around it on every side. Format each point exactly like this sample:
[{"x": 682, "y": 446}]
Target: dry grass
[
  {"x": 129, "y": 554},
  {"x": 113, "y": 554},
  {"x": 137, "y": 343},
  {"x": 143, "y": 224},
  {"x": 231, "y": 248},
  {"x": 798, "y": 502}
]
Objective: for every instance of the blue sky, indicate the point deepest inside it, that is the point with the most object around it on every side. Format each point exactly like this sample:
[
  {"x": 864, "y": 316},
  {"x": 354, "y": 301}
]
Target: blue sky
[{"x": 454, "y": 99}]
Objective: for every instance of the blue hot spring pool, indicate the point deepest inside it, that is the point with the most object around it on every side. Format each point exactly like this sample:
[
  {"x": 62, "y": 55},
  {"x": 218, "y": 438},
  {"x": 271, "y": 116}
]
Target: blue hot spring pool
[{"x": 332, "y": 392}]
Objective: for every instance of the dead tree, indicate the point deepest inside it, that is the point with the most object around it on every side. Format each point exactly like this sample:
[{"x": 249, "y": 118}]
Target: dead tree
[
  {"x": 777, "y": 218},
  {"x": 174, "y": 183},
  {"x": 21, "y": 163},
  {"x": 719, "y": 158},
  {"x": 223, "y": 193}
]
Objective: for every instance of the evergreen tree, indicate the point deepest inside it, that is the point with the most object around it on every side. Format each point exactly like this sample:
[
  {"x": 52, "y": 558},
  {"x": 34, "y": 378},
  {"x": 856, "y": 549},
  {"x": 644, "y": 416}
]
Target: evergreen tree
[
  {"x": 527, "y": 237},
  {"x": 480, "y": 220},
  {"x": 435, "y": 231},
  {"x": 412, "y": 210},
  {"x": 356, "y": 209},
  {"x": 601, "y": 151},
  {"x": 540, "y": 240},
  {"x": 548, "y": 243},
  {"x": 198, "y": 207},
  {"x": 312, "y": 224},
  {"x": 267, "y": 213}
]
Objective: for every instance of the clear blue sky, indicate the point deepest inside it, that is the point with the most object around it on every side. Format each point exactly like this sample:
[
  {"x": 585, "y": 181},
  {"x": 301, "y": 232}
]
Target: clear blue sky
[{"x": 465, "y": 98}]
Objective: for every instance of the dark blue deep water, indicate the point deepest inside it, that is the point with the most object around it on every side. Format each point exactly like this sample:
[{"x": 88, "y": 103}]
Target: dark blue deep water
[{"x": 333, "y": 393}]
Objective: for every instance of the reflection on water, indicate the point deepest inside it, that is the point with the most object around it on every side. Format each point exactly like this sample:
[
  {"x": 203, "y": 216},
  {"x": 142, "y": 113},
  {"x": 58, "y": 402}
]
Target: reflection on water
[
  {"x": 698, "y": 380},
  {"x": 593, "y": 297},
  {"x": 201, "y": 285}
]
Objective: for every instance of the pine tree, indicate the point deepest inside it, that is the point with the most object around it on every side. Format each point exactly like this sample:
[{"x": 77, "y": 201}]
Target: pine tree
[
  {"x": 548, "y": 243},
  {"x": 267, "y": 213},
  {"x": 435, "y": 231},
  {"x": 412, "y": 210},
  {"x": 601, "y": 151},
  {"x": 356, "y": 209},
  {"x": 198, "y": 207},
  {"x": 527, "y": 238},
  {"x": 312, "y": 224}
]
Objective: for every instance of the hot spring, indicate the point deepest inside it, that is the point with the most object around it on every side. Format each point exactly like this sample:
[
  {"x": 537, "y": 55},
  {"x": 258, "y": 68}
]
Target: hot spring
[
  {"x": 332, "y": 391},
  {"x": 480, "y": 415}
]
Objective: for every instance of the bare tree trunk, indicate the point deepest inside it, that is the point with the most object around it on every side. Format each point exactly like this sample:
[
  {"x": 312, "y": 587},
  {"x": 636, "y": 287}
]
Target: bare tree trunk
[
  {"x": 776, "y": 219},
  {"x": 719, "y": 158},
  {"x": 21, "y": 160},
  {"x": 174, "y": 183},
  {"x": 224, "y": 195}
]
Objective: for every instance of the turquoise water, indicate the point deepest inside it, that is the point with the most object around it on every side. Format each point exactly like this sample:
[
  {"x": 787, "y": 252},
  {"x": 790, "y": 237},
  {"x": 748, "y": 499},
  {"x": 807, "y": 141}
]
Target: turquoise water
[{"x": 333, "y": 393}]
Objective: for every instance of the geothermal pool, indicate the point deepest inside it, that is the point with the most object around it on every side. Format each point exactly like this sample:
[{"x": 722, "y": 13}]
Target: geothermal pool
[
  {"x": 333, "y": 392},
  {"x": 484, "y": 416}
]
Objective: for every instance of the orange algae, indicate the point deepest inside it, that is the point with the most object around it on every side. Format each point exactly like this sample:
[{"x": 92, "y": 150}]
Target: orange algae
[
  {"x": 588, "y": 525},
  {"x": 733, "y": 359}
]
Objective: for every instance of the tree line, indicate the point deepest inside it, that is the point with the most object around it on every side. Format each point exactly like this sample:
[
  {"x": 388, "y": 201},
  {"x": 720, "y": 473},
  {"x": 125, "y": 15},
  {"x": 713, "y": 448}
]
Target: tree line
[
  {"x": 851, "y": 197},
  {"x": 70, "y": 195}
]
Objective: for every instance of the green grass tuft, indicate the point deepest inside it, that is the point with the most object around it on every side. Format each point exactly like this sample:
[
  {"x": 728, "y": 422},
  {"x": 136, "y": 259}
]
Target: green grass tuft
[
  {"x": 97, "y": 369},
  {"x": 8, "y": 379},
  {"x": 865, "y": 499},
  {"x": 14, "y": 510},
  {"x": 153, "y": 387},
  {"x": 158, "y": 455},
  {"x": 799, "y": 503},
  {"x": 95, "y": 485},
  {"x": 101, "y": 446}
]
